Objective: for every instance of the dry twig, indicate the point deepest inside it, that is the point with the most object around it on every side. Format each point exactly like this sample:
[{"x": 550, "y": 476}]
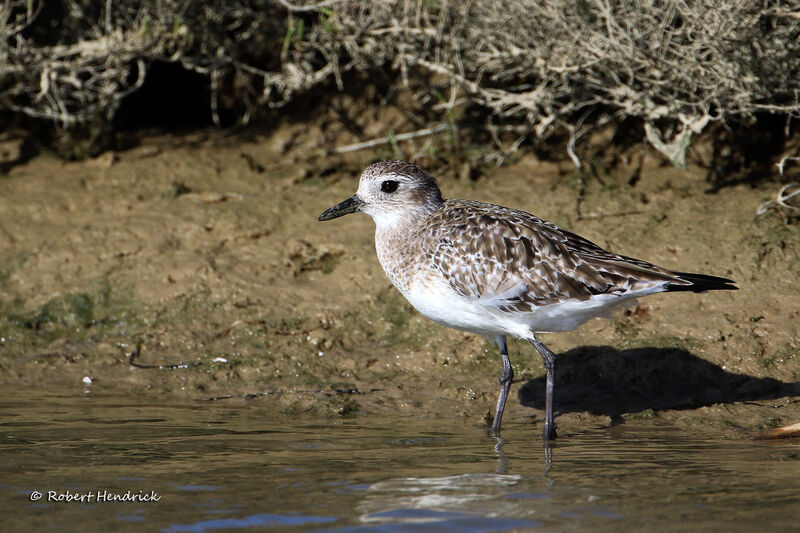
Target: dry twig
[{"x": 784, "y": 194}]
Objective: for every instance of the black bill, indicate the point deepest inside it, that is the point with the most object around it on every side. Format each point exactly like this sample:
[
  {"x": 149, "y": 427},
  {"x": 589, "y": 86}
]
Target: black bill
[{"x": 351, "y": 205}]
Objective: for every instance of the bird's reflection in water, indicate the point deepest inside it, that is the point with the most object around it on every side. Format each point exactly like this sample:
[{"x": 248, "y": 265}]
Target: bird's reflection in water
[
  {"x": 502, "y": 459},
  {"x": 548, "y": 463}
]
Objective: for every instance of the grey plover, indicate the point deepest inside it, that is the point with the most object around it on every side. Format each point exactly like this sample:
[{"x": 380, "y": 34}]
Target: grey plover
[{"x": 497, "y": 271}]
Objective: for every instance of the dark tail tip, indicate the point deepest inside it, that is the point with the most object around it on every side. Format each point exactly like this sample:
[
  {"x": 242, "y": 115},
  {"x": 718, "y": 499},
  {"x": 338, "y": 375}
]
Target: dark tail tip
[{"x": 701, "y": 283}]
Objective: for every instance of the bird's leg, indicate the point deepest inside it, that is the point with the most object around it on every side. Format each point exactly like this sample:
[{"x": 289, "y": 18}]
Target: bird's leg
[
  {"x": 506, "y": 375},
  {"x": 550, "y": 368}
]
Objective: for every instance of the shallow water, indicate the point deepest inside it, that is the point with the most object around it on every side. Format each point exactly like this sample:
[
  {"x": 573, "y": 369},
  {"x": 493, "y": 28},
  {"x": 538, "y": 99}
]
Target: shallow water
[{"x": 239, "y": 466}]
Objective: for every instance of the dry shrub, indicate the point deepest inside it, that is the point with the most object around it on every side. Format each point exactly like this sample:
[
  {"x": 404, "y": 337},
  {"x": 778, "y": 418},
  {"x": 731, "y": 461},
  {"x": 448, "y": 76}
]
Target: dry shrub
[{"x": 552, "y": 65}]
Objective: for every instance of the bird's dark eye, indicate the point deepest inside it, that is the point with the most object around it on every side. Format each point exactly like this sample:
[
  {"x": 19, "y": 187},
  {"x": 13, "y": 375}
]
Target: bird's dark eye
[{"x": 389, "y": 186}]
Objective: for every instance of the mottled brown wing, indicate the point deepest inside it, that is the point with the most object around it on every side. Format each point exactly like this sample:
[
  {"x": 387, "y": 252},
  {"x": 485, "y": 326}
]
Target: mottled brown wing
[{"x": 514, "y": 261}]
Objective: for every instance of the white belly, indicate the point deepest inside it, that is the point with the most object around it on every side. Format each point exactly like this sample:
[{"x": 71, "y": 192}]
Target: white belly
[{"x": 439, "y": 302}]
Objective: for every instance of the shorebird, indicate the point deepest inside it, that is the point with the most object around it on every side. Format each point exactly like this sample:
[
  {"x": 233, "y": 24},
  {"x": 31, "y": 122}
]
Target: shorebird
[{"x": 497, "y": 271}]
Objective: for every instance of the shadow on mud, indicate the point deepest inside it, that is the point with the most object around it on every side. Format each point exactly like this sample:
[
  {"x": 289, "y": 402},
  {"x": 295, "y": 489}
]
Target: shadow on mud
[{"x": 605, "y": 381}]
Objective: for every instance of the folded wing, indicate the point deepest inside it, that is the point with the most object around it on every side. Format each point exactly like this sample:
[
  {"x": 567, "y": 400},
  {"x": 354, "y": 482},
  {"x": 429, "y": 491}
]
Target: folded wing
[{"x": 513, "y": 261}]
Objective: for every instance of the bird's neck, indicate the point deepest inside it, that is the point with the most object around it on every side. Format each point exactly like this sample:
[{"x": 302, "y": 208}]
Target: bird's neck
[
  {"x": 397, "y": 243},
  {"x": 405, "y": 221}
]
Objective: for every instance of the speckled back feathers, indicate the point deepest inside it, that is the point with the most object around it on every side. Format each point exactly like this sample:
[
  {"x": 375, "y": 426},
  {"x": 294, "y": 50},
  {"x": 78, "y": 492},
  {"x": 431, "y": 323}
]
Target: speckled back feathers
[{"x": 486, "y": 250}]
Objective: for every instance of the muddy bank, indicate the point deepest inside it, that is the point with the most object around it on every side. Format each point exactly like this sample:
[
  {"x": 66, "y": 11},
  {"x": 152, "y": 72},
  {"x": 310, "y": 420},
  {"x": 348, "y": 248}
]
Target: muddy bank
[{"x": 203, "y": 252}]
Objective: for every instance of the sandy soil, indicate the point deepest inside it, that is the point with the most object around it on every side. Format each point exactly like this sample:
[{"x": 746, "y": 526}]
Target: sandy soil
[{"x": 202, "y": 255}]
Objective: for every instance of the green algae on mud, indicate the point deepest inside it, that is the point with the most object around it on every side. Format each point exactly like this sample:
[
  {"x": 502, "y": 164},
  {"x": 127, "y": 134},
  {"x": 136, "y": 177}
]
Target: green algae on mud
[
  {"x": 230, "y": 285},
  {"x": 106, "y": 314}
]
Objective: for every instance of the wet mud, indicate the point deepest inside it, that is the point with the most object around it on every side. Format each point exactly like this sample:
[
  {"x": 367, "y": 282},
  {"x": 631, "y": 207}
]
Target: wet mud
[{"x": 195, "y": 266}]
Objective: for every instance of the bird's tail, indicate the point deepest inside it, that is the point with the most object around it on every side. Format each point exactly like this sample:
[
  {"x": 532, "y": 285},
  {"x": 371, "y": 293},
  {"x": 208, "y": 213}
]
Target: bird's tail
[{"x": 700, "y": 283}]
